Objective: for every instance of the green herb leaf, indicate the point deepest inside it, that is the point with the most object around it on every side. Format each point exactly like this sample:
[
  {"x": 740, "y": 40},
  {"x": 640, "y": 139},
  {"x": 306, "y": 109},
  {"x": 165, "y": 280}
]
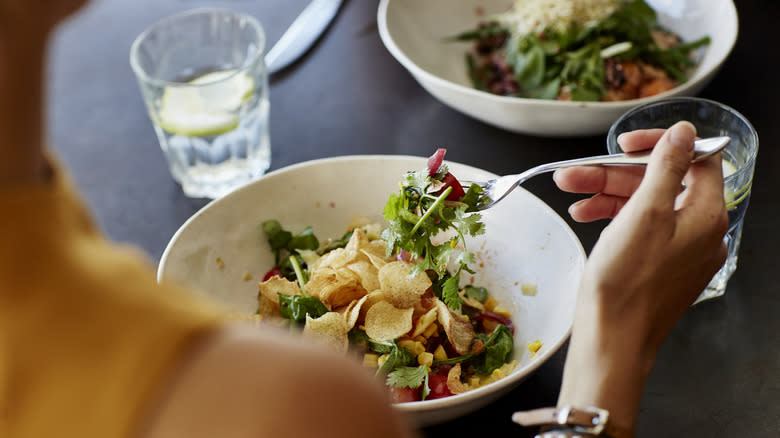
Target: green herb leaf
[
  {"x": 359, "y": 337},
  {"x": 407, "y": 377},
  {"x": 304, "y": 240},
  {"x": 332, "y": 244},
  {"x": 278, "y": 238},
  {"x": 398, "y": 357},
  {"x": 449, "y": 293},
  {"x": 296, "y": 307}
]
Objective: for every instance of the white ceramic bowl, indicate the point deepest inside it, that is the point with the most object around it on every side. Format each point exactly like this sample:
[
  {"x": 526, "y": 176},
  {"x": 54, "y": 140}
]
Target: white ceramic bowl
[
  {"x": 526, "y": 242},
  {"x": 414, "y": 31}
]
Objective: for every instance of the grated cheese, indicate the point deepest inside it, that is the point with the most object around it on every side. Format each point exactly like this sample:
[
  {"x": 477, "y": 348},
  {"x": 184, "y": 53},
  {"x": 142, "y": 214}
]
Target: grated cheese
[{"x": 534, "y": 16}]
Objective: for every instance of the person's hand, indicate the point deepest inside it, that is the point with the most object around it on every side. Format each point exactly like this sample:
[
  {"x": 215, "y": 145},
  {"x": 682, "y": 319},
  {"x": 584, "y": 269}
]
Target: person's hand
[{"x": 647, "y": 268}]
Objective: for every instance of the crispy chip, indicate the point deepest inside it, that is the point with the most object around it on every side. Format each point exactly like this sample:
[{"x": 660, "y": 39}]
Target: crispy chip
[
  {"x": 471, "y": 302},
  {"x": 385, "y": 322},
  {"x": 378, "y": 261},
  {"x": 357, "y": 241},
  {"x": 266, "y": 307},
  {"x": 335, "y": 287},
  {"x": 330, "y": 329},
  {"x": 358, "y": 222},
  {"x": 424, "y": 321},
  {"x": 276, "y": 285},
  {"x": 377, "y": 248},
  {"x": 368, "y": 273},
  {"x": 458, "y": 328},
  {"x": 453, "y": 381},
  {"x": 351, "y": 313},
  {"x": 401, "y": 289}
]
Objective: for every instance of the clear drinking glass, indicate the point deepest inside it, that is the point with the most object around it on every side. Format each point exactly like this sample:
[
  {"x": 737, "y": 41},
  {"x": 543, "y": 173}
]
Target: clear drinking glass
[
  {"x": 739, "y": 159},
  {"x": 204, "y": 82}
]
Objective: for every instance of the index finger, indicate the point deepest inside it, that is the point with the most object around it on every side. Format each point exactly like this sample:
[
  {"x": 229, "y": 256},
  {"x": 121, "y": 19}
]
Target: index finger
[{"x": 640, "y": 139}]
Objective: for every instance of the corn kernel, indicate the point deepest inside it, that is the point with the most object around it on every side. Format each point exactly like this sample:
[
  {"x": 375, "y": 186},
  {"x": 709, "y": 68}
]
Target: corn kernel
[
  {"x": 453, "y": 243},
  {"x": 247, "y": 276},
  {"x": 413, "y": 346},
  {"x": 421, "y": 340},
  {"x": 474, "y": 381},
  {"x": 433, "y": 328},
  {"x": 425, "y": 358},
  {"x": 491, "y": 304},
  {"x": 371, "y": 360},
  {"x": 534, "y": 346},
  {"x": 528, "y": 290},
  {"x": 381, "y": 360},
  {"x": 489, "y": 325},
  {"x": 502, "y": 311},
  {"x": 220, "y": 263},
  {"x": 439, "y": 353}
]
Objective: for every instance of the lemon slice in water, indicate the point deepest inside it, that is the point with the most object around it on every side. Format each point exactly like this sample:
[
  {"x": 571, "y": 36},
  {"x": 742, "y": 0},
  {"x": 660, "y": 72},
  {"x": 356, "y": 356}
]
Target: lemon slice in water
[
  {"x": 206, "y": 106},
  {"x": 733, "y": 197}
]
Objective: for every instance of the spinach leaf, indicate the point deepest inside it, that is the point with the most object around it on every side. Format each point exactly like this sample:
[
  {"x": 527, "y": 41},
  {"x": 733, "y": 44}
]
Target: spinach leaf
[
  {"x": 358, "y": 337},
  {"x": 296, "y": 307},
  {"x": 478, "y": 293},
  {"x": 278, "y": 238},
  {"x": 304, "y": 240},
  {"x": 497, "y": 348}
]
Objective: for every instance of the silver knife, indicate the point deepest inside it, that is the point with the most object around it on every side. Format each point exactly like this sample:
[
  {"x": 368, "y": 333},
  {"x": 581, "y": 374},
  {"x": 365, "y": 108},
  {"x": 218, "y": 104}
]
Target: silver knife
[{"x": 301, "y": 34}]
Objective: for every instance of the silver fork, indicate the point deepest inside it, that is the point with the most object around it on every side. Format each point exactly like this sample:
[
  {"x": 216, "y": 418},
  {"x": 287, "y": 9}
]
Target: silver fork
[{"x": 497, "y": 189}]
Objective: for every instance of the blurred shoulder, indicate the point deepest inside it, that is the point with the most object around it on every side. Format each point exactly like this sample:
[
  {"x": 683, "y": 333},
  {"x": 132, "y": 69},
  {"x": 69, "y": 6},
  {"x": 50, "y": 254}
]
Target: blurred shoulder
[{"x": 249, "y": 383}]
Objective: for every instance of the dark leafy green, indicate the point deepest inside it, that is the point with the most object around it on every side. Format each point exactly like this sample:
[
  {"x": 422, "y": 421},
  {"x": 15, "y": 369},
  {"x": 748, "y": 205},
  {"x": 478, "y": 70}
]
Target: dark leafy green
[
  {"x": 296, "y": 307},
  {"x": 478, "y": 293},
  {"x": 497, "y": 348},
  {"x": 285, "y": 246},
  {"x": 359, "y": 337},
  {"x": 398, "y": 357},
  {"x": 543, "y": 64}
]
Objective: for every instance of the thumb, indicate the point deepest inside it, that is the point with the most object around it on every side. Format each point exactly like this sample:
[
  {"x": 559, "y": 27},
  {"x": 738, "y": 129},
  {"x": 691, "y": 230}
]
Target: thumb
[{"x": 669, "y": 163}]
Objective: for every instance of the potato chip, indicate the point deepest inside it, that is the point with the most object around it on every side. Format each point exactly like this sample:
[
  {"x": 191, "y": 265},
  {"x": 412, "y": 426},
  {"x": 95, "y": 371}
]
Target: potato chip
[
  {"x": 453, "y": 381},
  {"x": 266, "y": 307},
  {"x": 385, "y": 322},
  {"x": 358, "y": 241},
  {"x": 424, "y": 321},
  {"x": 377, "y": 248},
  {"x": 458, "y": 328},
  {"x": 352, "y": 312},
  {"x": 358, "y": 222},
  {"x": 335, "y": 287},
  {"x": 329, "y": 329},
  {"x": 276, "y": 285},
  {"x": 368, "y": 273},
  {"x": 378, "y": 261},
  {"x": 401, "y": 289},
  {"x": 471, "y": 302}
]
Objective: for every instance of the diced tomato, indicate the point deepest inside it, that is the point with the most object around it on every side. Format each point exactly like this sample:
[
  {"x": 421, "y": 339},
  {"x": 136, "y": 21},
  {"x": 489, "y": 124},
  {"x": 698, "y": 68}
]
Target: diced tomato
[
  {"x": 434, "y": 162},
  {"x": 403, "y": 395},
  {"x": 457, "y": 192},
  {"x": 275, "y": 272},
  {"x": 438, "y": 385}
]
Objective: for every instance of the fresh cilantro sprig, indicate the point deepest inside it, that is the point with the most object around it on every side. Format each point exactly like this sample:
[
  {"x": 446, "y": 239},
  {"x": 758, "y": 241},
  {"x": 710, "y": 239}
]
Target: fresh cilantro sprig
[
  {"x": 419, "y": 212},
  {"x": 410, "y": 377}
]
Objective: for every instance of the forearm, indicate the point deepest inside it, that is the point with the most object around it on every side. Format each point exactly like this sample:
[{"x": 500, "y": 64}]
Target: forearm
[
  {"x": 22, "y": 64},
  {"x": 605, "y": 369}
]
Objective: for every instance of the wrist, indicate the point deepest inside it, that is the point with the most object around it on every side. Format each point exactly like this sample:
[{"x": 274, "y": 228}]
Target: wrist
[{"x": 606, "y": 367}]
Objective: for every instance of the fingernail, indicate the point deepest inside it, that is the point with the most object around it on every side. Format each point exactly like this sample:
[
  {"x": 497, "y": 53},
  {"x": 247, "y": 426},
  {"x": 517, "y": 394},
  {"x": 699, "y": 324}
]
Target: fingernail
[
  {"x": 621, "y": 137},
  {"x": 682, "y": 135}
]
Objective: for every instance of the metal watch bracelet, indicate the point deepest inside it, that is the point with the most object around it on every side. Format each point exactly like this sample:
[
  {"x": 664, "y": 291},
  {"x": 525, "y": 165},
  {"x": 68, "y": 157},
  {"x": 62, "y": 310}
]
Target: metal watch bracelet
[{"x": 571, "y": 422}]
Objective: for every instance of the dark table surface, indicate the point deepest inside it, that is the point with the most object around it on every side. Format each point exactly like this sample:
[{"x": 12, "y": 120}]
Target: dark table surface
[{"x": 719, "y": 372}]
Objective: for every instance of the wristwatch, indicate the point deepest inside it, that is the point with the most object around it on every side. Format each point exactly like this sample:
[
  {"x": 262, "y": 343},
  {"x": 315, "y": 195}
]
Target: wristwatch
[{"x": 568, "y": 421}]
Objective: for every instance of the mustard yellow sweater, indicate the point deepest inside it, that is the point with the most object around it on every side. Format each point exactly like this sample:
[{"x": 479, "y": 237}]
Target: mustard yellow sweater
[{"x": 87, "y": 337}]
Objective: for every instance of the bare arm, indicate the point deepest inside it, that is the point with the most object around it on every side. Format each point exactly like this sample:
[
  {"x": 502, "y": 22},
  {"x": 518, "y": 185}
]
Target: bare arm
[
  {"x": 249, "y": 383},
  {"x": 647, "y": 268}
]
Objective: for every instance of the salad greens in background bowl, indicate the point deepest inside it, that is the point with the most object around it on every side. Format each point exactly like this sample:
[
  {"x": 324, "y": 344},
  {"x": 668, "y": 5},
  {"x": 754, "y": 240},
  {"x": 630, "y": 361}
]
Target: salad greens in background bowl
[
  {"x": 527, "y": 258},
  {"x": 495, "y": 61}
]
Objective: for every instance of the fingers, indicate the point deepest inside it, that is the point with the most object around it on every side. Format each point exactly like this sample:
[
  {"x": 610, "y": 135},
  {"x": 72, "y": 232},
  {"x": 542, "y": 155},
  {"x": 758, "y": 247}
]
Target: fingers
[
  {"x": 611, "y": 180},
  {"x": 598, "y": 207},
  {"x": 639, "y": 140},
  {"x": 669, "y": 163}
]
